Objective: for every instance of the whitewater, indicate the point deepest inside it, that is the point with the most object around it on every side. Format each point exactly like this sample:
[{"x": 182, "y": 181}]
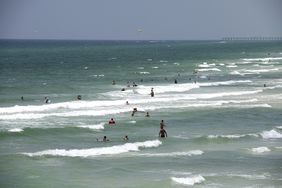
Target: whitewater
[{"x": 220, "y": 102}]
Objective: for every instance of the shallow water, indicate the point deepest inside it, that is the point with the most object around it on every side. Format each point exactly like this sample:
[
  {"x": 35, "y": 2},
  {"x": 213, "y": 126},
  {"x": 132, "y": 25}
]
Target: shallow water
[{"x": 223, "y": 123}]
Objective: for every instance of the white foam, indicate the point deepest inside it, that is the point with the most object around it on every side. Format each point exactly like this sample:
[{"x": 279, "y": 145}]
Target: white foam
[
  {"x": 226, "y": 136},
  {"x": 206, "y": 65},
  {"x": 263, "y": 59},
  {"x": 144, "y": 72},
  {"x": 140, "y": 68},
  {"x": 231, "y": 66},
  {"x": 15, "y": 130},
  {"x": 106, "y": 103},
  {"x": 99, "y": 126},
  {"x": 230, "y": 82},
  {"x": 132, "y": 122},
  {"x": 151, "y": 103},
  {"x": 65, "y": 114},
  {"x": 113, "y": 150},
  {"x": 173, "y": 154},
  {"x": 260, "y": 149},
  {"x": 166, "y": 88},
  {"x": 271, "y": 134},
  {"x": 250, "y": 176},
  {"x": 63, "y": 105},
  {"x": 189, "y": 180},
  {"x": 279, "y": 127},
  {"x": 208, "y": 69},
  {"x": 163, "y": 61},
  {"x": 155, "y": 67},
  {"x": 232, "y": 136},
  {"x": 216, "y": 95},
  {"x": 23, "y": 116},
  {"x": 236, "y": 73},
  {"x": 257, "y": 71}
]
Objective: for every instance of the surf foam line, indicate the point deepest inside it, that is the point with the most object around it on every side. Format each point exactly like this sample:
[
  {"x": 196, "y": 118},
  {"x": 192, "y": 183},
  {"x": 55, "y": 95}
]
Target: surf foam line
[
  {"x": 192, "y": 180},
  {"x": 172, "y": 154},
  {"x": 263, "y": 59},
  {"x": 173, "y": 103},
  {"x": 272, "y": 134},
  {"x": 63, "y": 105},
  {"x": 262, "y": 149},
  {"x": 113, "y": 150},
  {"x": 4, "y": 112},
  {"x": 99, "y": 126},
  {"x": 15, "y": 130},
  {"x": 232, "y": 136},
  {"x": 145, "y": 90},
  {"x": 230, "y": 82}
]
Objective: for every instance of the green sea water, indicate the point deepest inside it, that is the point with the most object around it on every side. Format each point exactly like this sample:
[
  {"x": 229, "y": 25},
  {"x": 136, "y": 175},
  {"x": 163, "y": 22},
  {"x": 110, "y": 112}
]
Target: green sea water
[{"x": 223, "y": 116}]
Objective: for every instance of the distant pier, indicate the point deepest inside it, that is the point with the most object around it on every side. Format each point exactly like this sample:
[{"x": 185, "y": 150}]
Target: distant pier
[{"x": 252, "y": 38}]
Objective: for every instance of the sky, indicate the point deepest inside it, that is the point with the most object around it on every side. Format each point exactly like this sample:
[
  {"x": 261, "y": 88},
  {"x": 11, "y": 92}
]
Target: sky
[{"x": 139, "y": 19}]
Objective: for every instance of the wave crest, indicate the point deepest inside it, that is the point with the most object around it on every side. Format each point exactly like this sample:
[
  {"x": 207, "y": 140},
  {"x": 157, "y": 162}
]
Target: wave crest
[
  {"x": 189, "y": 180},
  {"x": 113, "y": 150},
  {"x": 271, "y": 134}
]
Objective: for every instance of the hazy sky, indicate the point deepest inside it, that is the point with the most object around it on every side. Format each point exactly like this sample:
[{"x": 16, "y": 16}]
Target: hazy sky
[{"x": 139, "y": 19}]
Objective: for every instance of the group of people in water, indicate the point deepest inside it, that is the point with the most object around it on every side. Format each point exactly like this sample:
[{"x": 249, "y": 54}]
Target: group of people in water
[{"x": 162, "y": 132}]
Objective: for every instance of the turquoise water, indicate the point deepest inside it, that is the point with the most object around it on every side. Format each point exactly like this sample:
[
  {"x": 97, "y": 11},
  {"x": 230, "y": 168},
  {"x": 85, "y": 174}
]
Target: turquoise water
[{"x": 223, "y": 117}]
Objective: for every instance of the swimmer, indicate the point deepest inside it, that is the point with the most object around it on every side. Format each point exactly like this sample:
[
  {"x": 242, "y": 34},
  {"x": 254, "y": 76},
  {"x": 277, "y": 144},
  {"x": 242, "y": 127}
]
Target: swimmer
[
  {"x": 78, "y": 97},
  {"x": 113, "y": 82},
  {"x": 162, "y": 133},
  {"x": 175, "y": 81},
  {"x": 134, "y": 84},
  {"x": 125, "y": 138},
  {"x": 22, "y": 98},
  {"x": 152, "y": 92},
  {"x": 105, "y": 139},
  {"x": 264, "y": 85},
  {"x": 123, "y": 89},
  {"x": 127, "y": 103},
  {"x": 162, "y": 124},
  {"x": 47, "y": 100},
  {"x": 112, "y": 121},
  {"x": 147, "y": 114}
]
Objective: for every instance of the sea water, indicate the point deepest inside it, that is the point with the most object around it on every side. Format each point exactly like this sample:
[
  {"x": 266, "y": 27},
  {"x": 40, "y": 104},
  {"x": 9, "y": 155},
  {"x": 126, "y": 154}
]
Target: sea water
[{"x": 223, "y": 116}]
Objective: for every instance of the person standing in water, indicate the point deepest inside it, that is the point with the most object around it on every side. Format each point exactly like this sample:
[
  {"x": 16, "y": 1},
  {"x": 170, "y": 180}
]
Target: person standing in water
[
  {"x": 162, "y": 124},
  {"x": 162, "y": 133},
  {"x": 112, "y": 121},
  {"x": 105, "y": 139},
  {"x": 125, "y": 138},
  {"x": 152, "y": 92}
]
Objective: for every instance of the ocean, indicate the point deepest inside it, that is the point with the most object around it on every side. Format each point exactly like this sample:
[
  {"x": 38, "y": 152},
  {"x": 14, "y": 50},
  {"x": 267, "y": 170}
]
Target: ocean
[{"x": 221, "y": 103}]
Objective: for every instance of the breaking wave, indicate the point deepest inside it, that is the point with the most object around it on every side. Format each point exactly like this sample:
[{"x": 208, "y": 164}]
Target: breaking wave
[
  {"x": 260, "y": 149},
  {"x": 272, "y": 134},
  {"x": 99, "y": 126},
  {"x": 92, "y": 152},
  {"x": 173, "y": 154},
  {"x": 189, "y": 180}
]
